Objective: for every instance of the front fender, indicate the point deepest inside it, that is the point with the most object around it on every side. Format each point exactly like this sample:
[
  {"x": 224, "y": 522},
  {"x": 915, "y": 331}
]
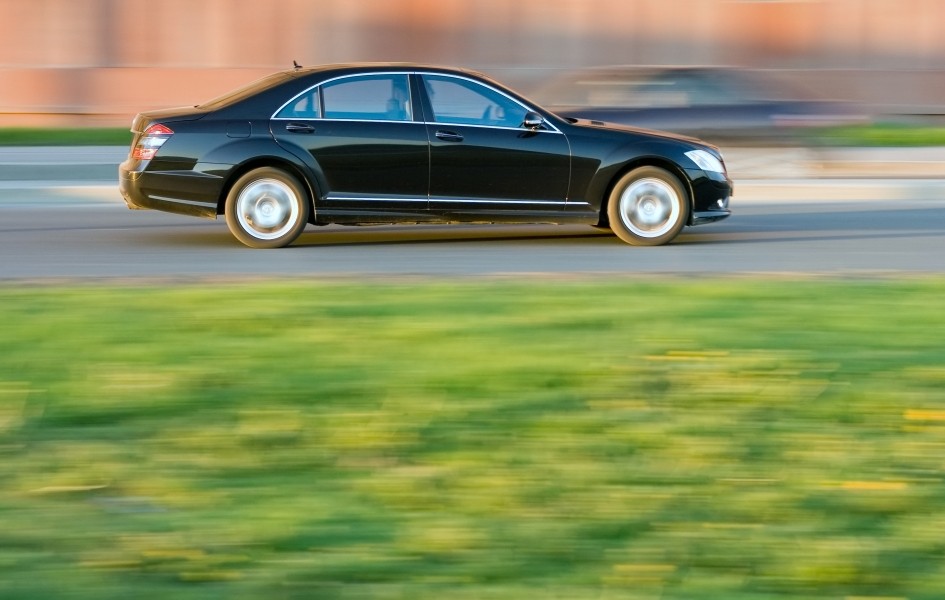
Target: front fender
[{"x": 625, "y": 157}]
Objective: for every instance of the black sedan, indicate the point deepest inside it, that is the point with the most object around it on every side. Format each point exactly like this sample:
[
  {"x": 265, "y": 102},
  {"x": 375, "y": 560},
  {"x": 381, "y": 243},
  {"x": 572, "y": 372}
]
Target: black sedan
[{"x": 397, "y": 143}]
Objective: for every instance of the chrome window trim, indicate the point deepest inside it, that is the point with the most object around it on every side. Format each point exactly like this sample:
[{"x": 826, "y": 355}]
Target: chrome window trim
[
  {"x": 437, "y": 123},
  {"x": 441, "y": 124},
  {"x": 442, "y": 200},
  {"x": 274, "y": 116},
  {"x": 496, "y": 90},
  {"x": 294, "y": 98},
  {"x": 322, "y": 120},
  {"x": 182, "y": 201},
  {"x": 374, "y": 199}
]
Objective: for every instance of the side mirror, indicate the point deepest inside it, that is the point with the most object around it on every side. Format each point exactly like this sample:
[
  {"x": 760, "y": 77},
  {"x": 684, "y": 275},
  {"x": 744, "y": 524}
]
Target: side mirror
[{"x": 533, "y": 121}]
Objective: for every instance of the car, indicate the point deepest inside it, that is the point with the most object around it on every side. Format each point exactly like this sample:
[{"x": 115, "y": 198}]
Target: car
[
  {"x": 717, "y": 103},
  {"x": 361, "y": 144}
]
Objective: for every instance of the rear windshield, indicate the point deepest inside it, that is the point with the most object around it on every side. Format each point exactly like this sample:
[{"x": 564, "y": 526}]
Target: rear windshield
[{"x": 269, "y": 81}]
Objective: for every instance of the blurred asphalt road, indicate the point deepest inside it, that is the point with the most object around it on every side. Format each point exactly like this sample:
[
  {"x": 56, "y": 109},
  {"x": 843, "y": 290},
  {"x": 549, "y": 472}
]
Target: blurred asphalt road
[
  {"x": 796, "y": 211},
  {"x": 759, "y": 173}
]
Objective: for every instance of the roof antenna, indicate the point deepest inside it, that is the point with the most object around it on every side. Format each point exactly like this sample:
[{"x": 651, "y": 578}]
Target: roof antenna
[{"x": 296, "y": 65}]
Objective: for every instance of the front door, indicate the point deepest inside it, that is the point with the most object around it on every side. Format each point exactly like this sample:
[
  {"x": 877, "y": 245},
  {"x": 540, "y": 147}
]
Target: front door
[{"x": 482, "y": 158}]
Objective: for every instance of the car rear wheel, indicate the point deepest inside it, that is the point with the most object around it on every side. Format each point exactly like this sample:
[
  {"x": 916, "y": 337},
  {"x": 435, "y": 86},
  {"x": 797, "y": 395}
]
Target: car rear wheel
[
  {"x": 267, "y": 208},
  {"x": 648, "y": 207}
]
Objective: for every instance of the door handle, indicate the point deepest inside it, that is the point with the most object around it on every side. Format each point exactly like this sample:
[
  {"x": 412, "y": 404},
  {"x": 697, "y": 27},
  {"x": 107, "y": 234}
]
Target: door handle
[
  {"x": 299, "y": 128},
  {"x": 449, "y": 136}
]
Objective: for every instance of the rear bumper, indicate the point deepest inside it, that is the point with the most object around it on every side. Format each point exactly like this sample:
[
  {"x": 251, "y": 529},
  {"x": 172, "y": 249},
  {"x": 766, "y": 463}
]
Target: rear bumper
[{"x": 181, "y": 192}]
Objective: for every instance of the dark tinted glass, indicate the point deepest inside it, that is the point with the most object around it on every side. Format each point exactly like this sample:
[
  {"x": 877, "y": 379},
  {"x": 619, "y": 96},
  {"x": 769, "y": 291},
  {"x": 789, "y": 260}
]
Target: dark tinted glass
[
  {"x": 464, "y": 102},
  {"x": 368, "y": 97}
]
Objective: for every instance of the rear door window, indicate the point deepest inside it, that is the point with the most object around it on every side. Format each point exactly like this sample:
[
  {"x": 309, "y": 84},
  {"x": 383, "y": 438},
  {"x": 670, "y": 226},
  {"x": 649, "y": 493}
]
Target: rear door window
[{"x": 382, "y": 97}]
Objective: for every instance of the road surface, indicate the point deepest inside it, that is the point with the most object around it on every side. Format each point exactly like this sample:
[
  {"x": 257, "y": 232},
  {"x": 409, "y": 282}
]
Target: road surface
[{"x": 83, "y": 231}]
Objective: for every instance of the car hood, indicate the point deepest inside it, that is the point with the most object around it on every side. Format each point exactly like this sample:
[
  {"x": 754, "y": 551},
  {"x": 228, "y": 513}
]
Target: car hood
[{"x": 593, "y": 123}]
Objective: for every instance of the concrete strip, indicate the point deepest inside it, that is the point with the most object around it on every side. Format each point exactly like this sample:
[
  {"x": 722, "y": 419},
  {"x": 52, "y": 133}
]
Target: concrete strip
[
  {"x": 819, "y": 191},
  {"x": 793, "y": 162},
  {"x": 32, "y": 193},
  {"x": 71, "y": 172},
  {"x": 58, "y": 163},
  {"x": 63, "y": 155},
  {"x": 752, "y": 191},
  {"x": 103, "y": 184}
]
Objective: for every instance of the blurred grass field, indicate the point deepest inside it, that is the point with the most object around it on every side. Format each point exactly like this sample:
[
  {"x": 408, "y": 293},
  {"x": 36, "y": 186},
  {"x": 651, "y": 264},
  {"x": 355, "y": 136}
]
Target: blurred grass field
[
  {"x": 878, "y": 134},
  {"x": 50, "y": 136},
  {"x": 881, "y": 134},
  {"x": 653, "y": 438}
]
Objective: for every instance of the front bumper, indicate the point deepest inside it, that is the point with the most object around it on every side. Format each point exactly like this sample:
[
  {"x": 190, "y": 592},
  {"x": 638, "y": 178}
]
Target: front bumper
[{"x": 711, "y": 193}]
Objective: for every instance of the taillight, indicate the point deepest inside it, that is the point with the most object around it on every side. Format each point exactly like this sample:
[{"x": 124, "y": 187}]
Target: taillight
[{"x": 151, "y": 140}]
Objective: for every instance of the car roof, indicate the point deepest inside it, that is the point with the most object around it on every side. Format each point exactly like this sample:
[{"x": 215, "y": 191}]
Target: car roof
[
  {"x": 272, "y": 90},
  {"x": 356, "y": 67}
]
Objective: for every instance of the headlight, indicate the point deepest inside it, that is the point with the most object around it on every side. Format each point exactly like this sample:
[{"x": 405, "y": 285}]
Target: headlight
[{"x": 706, "y": 161}]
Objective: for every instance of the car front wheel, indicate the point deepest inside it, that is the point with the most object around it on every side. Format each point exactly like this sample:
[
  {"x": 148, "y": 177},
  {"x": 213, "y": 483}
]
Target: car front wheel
[
  {"x": 648, "y": 207},
  {"x": 267, "y": 208}
]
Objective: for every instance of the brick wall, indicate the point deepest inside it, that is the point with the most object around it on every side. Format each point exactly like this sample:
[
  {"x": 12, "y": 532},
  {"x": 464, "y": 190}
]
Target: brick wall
[{"x": 97, "y": 62}]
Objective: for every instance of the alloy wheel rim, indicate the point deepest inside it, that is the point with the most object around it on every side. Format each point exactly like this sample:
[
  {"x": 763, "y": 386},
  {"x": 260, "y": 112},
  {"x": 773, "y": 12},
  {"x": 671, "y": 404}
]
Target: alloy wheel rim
[
  {"x": 267, "y": 208},
  {"x": 649, "y": 207}
]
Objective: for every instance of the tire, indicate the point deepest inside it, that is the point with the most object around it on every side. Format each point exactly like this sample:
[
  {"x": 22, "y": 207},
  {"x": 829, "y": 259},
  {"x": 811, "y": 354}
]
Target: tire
[
  {"x": 267, "y": 208},
  {"x": 648, "y": 207}
]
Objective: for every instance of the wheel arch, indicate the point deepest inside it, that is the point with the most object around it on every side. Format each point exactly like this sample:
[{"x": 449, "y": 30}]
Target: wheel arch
[
  {"x": 647, "y": 161},
  {"x": 273, "y": 162}
]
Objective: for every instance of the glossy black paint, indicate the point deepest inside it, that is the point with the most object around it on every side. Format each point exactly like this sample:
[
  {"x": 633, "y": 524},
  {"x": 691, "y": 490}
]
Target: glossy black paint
[
  {"x": 414, "y": 170},
  {"x": 369, "y": 165}
]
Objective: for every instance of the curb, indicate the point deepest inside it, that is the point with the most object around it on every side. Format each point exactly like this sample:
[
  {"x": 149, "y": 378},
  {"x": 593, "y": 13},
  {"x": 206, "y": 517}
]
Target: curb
[
  {"x": 820, "y": 191},
  {"x": 834, "y": 163},
  {"x": 747, "y": 192}
]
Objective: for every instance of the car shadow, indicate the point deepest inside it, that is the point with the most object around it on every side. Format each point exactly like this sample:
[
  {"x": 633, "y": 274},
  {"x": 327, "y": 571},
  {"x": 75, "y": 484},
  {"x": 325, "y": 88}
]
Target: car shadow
[
  {"x": 754, "y": 226},
  {"x": 384, "y": 235}
]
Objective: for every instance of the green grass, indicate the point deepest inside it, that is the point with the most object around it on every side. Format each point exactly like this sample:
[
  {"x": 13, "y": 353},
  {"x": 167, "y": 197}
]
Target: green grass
[
  {"x": 37, "y": 136},
  {"x": 671, "y": 439},
  {"x": 880, "y": 134}
]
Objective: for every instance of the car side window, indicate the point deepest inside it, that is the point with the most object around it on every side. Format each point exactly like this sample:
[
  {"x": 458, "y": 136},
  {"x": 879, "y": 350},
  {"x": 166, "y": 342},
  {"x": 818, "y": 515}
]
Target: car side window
[
  {"x": 304, "y": 106},
  {"x": 463, "y": 102},
  {"x": 380, "y": 97}
]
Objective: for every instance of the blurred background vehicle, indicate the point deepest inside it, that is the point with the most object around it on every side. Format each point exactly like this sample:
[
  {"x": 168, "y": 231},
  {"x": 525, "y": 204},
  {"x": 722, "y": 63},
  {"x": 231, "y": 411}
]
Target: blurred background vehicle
[{"x": 718, "y": 104}]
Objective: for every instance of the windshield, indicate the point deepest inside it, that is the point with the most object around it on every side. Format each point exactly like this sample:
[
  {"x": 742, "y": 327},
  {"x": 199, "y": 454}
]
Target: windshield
[{"x": 246, "y": 91}]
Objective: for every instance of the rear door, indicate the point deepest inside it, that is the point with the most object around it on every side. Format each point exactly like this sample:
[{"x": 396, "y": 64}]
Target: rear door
[{"x": 362, "y": 132}]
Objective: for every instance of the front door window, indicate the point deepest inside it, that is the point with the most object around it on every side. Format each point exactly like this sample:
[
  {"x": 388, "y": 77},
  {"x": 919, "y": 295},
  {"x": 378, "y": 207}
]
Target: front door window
[{"x": 464, "y": 102}]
